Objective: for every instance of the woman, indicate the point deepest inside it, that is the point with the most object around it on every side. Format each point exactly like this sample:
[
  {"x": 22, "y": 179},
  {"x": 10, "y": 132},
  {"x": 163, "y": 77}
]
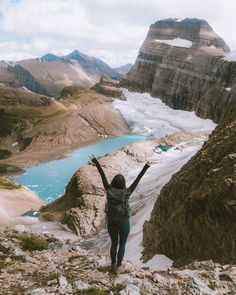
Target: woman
[{"x": 118, "y": 211}]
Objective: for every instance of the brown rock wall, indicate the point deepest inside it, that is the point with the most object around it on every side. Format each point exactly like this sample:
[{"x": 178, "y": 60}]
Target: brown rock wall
[{"x": 195, "y": 215}]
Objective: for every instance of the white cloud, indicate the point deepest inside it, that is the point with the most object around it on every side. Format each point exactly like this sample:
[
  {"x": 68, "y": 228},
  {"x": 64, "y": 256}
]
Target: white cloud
[
  {"x": 110, "y": 29},
  {"x": 40, "y": 44}
]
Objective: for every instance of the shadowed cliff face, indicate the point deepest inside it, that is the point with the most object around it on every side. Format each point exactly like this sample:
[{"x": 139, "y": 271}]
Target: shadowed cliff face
[
  {"x": 190, "y": 74},
  {"x": 195, "y": 215}
]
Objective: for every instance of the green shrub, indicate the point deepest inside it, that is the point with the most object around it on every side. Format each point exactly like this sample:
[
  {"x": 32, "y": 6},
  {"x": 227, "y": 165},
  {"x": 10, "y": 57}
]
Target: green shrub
[
  {"x": 4, "y": 154},
  {"x": 33, "y": 243},
  {"x": 4, "y": 184},
  {"x": 9, "y": 169},
  {"x": 225, "y": 277},
  {"x": 116, "y": 289}
]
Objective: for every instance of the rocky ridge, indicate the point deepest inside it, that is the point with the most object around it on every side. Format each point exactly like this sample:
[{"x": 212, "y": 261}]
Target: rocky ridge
[
  {"x": 49, "y": 74},
  {"x": 194, "y": 215},
  {"x": 193, "y": 78},
  {"x": 64, "y": 268}
]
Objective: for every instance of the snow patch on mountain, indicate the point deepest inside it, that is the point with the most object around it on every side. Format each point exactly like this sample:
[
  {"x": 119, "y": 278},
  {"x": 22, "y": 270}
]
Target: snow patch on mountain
[{"x": 179, "y": 42}]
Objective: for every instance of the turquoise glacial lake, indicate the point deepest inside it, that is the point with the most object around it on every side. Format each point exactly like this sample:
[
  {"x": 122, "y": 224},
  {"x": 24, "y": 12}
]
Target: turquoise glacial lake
[{"x": 48, "y": 180}]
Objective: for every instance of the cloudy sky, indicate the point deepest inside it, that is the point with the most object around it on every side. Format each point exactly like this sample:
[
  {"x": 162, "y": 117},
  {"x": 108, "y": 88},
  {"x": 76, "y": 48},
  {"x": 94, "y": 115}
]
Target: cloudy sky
[{"x": 112, "y": 30}]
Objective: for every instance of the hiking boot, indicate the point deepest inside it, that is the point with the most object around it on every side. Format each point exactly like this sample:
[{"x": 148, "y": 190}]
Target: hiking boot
[{"x": 113, "y": 268}]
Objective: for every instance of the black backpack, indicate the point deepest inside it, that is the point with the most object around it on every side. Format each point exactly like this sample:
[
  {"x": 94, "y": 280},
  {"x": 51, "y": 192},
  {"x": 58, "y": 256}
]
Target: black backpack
[{"x": 117, "y": 207}]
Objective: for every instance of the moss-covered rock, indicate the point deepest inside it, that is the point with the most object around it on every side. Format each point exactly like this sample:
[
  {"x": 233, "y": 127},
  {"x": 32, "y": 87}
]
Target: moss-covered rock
[{"x": 33, "y": 243}]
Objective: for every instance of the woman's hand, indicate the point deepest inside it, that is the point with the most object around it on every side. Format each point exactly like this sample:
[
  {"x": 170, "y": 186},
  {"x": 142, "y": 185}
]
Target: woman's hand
[
  {"x": 92, "y": 157},
  {"x": 149, "y": 163}
]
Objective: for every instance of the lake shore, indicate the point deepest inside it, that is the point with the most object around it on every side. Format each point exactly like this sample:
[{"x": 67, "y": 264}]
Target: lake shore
[{"x": 55, "y": 175}]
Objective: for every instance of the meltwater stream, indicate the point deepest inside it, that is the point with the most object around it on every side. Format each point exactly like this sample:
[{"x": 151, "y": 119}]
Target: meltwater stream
[{"x": 48, "y": 180}]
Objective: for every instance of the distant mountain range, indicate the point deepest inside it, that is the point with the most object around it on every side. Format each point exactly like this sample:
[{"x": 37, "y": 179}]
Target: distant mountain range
[
  {"x": 124, "y": 69},
  {"x": 50, "y": 73}
]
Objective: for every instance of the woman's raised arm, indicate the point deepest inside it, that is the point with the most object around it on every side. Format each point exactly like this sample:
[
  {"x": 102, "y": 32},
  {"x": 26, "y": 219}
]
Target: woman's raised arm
[
  {"x": 138, "y": 178},
  {"x": 100, "y": 170}
]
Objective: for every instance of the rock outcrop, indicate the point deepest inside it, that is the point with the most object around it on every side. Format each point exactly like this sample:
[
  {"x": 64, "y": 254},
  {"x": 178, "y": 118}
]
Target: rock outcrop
[
  {"x": 64, "y": 268},
  {"x": 15, "y": 200},
  {"x": 181, "y": 62},
  {"x": 195, "y": 215},
  {"x": 108, "y": 87}
]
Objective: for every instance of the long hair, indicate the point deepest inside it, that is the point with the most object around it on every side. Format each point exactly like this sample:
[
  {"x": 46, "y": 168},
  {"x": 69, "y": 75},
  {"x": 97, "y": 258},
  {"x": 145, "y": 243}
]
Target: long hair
[{"x": 118, "y": 181}]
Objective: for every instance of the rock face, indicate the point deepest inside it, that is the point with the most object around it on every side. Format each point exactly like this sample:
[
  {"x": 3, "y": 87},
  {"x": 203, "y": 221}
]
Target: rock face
[
  {"x": 26, "y": 79},
  {"x": 93, "y": 65},
  {"x": 195, "y": 215},
  {"x": 181, "y": 63},
  {"x": 108, "y": 87}
]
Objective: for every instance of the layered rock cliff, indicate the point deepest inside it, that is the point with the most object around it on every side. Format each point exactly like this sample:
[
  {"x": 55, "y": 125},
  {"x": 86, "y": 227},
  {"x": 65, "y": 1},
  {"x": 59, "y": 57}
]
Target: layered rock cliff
[
  {"x": 194, "y": 217},
  {"x": 181, "y": 63}
]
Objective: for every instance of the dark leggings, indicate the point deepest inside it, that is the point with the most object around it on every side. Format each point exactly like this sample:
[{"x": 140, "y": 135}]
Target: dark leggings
[{"x": 116, "y": 230}]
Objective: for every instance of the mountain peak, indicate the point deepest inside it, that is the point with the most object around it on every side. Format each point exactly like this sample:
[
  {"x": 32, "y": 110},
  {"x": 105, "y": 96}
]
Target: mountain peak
[
  {"x": 195, "y": 30},
  {"x": 75, "y": 54},
  {"x": 124, "y": 69},
  {"x": 50, "y": 57},
  {"x": 191, "y": 23}
]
